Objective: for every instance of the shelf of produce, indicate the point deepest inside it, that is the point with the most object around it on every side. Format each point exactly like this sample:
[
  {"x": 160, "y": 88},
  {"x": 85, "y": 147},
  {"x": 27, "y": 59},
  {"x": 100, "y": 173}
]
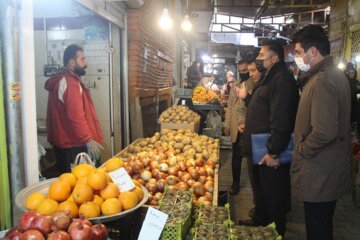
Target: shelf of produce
[{"x": 43, "y": 187}]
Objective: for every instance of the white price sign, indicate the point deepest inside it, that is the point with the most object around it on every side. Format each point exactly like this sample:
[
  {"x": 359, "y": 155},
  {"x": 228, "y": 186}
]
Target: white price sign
[
  {"x": 153, "y": 224},
  {"x": 121, "y": 178}
]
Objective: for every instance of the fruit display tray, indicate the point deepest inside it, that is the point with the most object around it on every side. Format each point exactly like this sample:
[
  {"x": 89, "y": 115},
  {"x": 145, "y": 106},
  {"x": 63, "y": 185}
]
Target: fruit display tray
[
  {"x": 43, "y": 187},
  {"x": 245, "y": 233},
  {"x": 213, "y": 215},
  {"x": 211, "y": 232}
]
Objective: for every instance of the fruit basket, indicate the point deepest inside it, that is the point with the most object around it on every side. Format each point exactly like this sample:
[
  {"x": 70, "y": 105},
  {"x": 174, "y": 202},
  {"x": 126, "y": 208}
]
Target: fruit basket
[
  {"x": 245, "y": 232},
  {"x": 213, "y": 215},
  {"x": 211, "y": 231},
  {"x": 43, "y": 187}
]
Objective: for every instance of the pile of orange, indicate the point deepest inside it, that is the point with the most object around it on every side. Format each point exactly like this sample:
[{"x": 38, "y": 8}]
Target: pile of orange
[{"x": 86, "y": 190}]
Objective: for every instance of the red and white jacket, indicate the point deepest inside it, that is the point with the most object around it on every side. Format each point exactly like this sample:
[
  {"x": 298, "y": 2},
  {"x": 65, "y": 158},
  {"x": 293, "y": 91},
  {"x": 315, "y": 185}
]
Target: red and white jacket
[{"x": 71, "y": 118}]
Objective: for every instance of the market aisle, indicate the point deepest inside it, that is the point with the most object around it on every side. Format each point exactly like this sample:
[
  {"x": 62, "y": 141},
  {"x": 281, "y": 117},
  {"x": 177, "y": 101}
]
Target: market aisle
[{"x": 347, "y": 216}]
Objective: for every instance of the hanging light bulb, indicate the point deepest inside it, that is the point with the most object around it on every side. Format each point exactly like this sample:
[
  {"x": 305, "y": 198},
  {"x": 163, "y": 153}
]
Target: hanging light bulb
[
  {"x": 186, "y": 24},
  {"x": 165, "y": 20},
  {"x": 341, "y": 65}
]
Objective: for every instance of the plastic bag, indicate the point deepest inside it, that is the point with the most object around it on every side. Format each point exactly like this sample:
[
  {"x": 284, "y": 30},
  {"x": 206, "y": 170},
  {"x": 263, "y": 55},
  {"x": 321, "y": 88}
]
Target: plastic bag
[
  {"x": 214, "y": 122},
  {"x": 82, "y": 158}
]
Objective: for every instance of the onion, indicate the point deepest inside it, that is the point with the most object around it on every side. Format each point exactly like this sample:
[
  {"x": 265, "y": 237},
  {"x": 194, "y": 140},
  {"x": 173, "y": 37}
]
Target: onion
[
  {"x": 172, "y": 187},
  {"x": 137, "y": 167},
  {"x": 136, "y": 176},
  {"x": 161, "y": 183},
  {"x": 154, "y": 202},
  {"x": 173, "y": 170},
  {"x": 98, "y": 232},
  {"x": 201, "y": 200},
  {"x": 211, "y": 163},
  {"x": 190, "y": 163},
  {"x": 182, "y": 186},
  {"x": 163, "y": 175},
  {"x": 80, "y": 232},
  {"x": 154, "y": 165},
  {"x": 61, "y": 220},
  {"x": 172, "y": 180},
  {"x": 145, "y": 161},
  {"x": 190, "y": 182},
  {"x": 207, "y": 203},
  {"x": 141, "y": 181},
  {"x": 145, "y": 175},
  {"x": 199, "y": 162},
  {"x": 199, "y": 190},
  {"x": 172, "y": 161},
  {"x": 158, "y": 196},
  {"x": 202, "y": 171},
  {"x": 209, "y": 178},
  {"x": 209, "y": 186},
  {"x": 155, "y": 173},
  {"x": 164, "y": 167},
  {"x": 209, "y": 196},
  {"x": 194, "y": 174},
  {"x": 209, "y": 171},
  {"x": 186, "y": 177},
  {"x": 180, "y": 174},
  {"x": 151, "y": 187},
  {"x": 202, "y": 179},
  {"x": 182, "y": 166},
  {"x": 152, "y": 180},
  {"x": 128, "y": 168}
]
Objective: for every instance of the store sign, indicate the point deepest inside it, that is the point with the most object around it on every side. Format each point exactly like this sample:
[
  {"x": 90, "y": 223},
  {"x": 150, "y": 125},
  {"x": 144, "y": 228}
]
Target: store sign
[
  {"x": 121, "y": 178},
  {"x": 153, "y": 224}
]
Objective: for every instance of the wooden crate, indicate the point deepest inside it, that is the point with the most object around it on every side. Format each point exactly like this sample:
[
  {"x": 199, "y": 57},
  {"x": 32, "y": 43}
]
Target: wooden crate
[
  {"x": 191, "y": 126},
  {"x": 216, "y": 186}
]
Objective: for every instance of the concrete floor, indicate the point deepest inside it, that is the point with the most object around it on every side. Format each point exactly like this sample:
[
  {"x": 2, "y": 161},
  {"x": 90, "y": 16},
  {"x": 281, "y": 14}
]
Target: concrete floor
[{"x": 346, "y": 220}]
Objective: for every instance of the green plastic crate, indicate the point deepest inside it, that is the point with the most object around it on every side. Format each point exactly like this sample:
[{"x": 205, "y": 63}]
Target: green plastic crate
[
  {"x": 178, "y": 197},
  {"x": 211, "y": 231},
  {"x": 177, "y": 230},
  {"x": 213, "y": 215}
]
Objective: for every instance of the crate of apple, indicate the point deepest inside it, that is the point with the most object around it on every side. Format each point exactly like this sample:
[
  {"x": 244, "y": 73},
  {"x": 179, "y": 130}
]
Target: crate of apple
[{"x": 59, "y": 226}]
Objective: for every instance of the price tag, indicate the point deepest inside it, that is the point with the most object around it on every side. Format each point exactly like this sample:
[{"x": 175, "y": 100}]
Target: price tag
[
  {"x": 183, "y": 102},
  {"x": 121, "y": 178},
  {"x": 153, "y": 224}
]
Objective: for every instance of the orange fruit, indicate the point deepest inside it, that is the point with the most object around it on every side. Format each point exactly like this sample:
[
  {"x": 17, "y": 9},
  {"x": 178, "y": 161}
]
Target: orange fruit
[
  {"x": 33, "y": 200},
  {"x": 113, "y": 163},
  {"x": 82, "y": 170},
  {"x": 139, "y": 193},
  {"x": 69, "y": 206},
  {"x": 47, "y": 207},
  {"x": 71, "y": 199},
  {"x": 97, "y": 179},
  {"x": 69, "y": 178},
  {"x": 59, "y": 191},
  {"x": 89, "y": 210},
  {"x": 98, "y": 200},
  {"x": 82, "y": 180},
  {"x": 111, "y": 206},
  {"x": 136, "y": 182},
  {"x": 128, "y": 200},
  {"x": 108, "y": 178},
  {"x": 82, "y": 193},
  {"x": 111, "y": 191}
]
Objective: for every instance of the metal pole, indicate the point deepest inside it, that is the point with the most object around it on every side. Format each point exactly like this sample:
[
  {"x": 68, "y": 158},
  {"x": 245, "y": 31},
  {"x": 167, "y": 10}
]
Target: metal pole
[
  {"x": 111, "y": 93},
  {"x": 28, "y": 97},
  {"x": 125, "y": 90},
  {"x": 12, "y": 95}
]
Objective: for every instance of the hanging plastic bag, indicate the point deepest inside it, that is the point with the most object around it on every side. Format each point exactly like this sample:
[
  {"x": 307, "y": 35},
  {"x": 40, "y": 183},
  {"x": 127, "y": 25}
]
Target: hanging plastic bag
[
  {"x": 214, "y": 124},
  {"x": 82, "y": 158}
]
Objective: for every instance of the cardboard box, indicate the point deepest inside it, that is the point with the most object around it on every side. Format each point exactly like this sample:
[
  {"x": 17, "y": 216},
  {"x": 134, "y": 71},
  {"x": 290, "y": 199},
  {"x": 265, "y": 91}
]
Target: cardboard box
[{"x": 191, "y": 126}]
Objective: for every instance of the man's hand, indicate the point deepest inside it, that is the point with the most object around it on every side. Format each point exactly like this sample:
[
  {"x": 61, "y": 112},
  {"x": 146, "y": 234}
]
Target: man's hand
[
  {"x": 94, "y": 149},
  {"x": 227, "y": 131},
  {"x": 242, "y": 91},
  {"x": 241, "y": 127},
  {"x": 270, "y": 162}
]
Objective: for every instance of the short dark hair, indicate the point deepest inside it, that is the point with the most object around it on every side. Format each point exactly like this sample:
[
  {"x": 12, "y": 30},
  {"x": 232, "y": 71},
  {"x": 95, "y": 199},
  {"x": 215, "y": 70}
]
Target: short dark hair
[
  {"x": 313, "y": 36},
  {"x": 242, "y": 61},
  {"x": 70, "y": 53},
  {"x": 276, "y": 47}
]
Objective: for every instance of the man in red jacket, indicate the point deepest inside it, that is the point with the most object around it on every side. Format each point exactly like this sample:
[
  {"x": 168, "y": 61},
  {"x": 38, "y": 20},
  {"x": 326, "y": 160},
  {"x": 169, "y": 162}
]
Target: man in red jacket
[{"x": 71, "y": 121}]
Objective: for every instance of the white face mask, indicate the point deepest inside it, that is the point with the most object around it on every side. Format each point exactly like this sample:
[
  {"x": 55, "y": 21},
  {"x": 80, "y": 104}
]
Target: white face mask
[{"x": 301, "y": 65}]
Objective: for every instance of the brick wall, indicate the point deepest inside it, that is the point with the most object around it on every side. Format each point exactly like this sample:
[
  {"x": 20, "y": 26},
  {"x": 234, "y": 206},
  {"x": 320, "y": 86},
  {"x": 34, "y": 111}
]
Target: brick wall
[
  {"x": 151, "y": 57},
  {"x": 151, "y": 51}
]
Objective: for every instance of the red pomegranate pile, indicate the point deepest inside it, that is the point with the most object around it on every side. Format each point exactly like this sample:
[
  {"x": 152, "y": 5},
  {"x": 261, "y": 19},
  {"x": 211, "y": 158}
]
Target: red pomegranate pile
[{"x": 33, "y": 226}]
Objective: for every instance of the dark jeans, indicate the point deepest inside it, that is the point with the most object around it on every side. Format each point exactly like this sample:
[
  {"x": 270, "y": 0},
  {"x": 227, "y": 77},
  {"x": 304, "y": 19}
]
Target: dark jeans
[
  {"x": 66, "y": 156},
  {"x": 319, "y": 220},
  {"x": 251, "y": 177},
  {"x": 272, "y": 190},
  {"x": 236, "y": 159}
]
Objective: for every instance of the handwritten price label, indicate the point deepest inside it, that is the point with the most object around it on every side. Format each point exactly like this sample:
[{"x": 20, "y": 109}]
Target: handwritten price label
[
  {"x": 153, "y": 224},
  {"x": 121, "y": 178}
]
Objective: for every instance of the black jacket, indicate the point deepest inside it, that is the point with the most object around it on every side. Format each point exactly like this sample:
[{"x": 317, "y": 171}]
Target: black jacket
[{"x": 272, "y": 109}]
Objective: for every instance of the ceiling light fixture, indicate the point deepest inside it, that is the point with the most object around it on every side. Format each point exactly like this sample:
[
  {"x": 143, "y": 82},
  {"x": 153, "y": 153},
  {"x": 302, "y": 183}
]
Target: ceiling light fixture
[
  {"x": 165, "y": 19},
  {"x": 186, "y": 24}
]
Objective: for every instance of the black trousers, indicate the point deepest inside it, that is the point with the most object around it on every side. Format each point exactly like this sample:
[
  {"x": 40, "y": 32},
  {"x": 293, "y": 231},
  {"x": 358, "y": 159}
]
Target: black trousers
[
  {"x": 236, "y": 159},
  {"x": 319, "y": 220},
  {"x": 273, "y": 199},
  {"x": 66, "y": 156}
]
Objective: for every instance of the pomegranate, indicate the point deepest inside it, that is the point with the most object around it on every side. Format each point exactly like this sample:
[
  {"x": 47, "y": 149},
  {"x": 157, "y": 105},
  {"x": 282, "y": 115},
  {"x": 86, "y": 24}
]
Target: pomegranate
[
  {"x": 43, "y": 223},
  {"x": 61, "y": 220},
  {"x": 98, "y": 232},
  {"x": 59, "y": 235},
  {"x": 80, "y": 220},
  {"x": 80, "y": 231},
  {"x": 13, "y": 234},
  {"x": 32, "y": 235},
  {"x": 27, "y": 219}
]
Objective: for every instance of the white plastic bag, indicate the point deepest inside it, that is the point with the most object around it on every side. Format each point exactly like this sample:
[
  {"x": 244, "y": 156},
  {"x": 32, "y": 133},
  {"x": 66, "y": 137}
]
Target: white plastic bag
[{"x": 82, "y": 158}]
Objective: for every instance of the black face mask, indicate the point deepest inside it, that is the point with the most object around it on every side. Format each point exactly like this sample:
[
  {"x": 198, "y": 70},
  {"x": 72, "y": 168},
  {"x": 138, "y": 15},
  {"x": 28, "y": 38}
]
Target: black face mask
[
  {"x": 244, "y": 76},
  {"x": 260, "y": 66},
  {"x": 80, "y": 71}
]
